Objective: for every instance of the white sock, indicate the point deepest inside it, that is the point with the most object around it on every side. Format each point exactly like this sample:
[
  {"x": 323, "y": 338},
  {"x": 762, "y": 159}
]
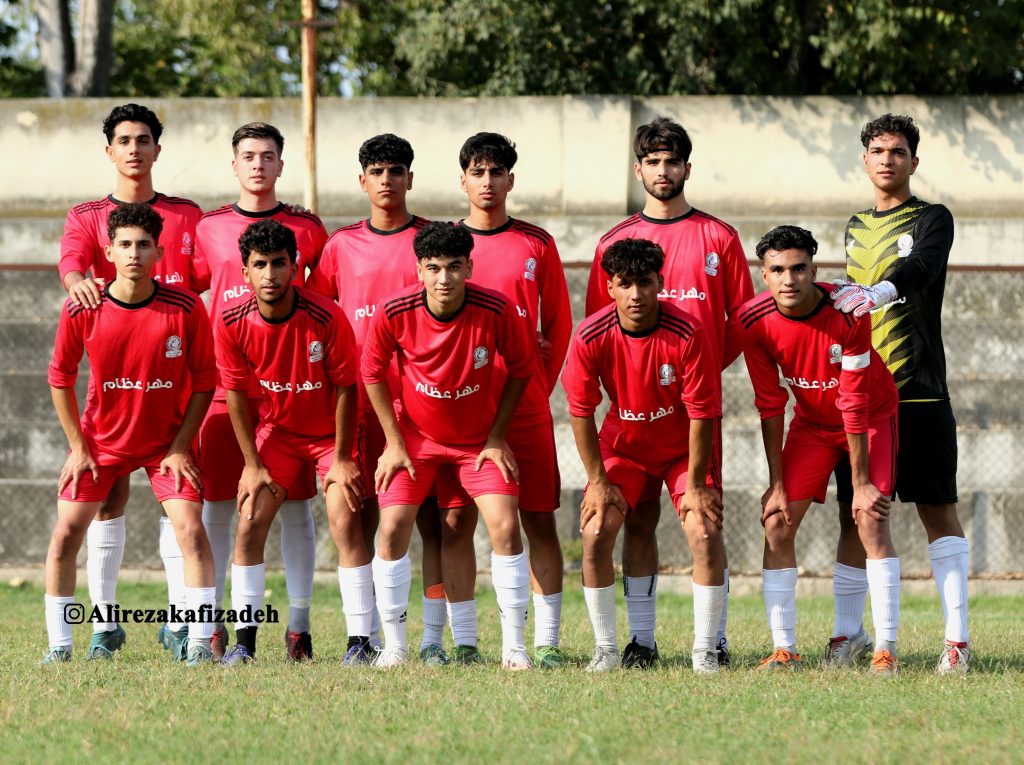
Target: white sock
[
  {"x": 884, "y": 584},
  {"x": 356, "y": 585},
  {"x": 375, "y": 624},
  {"x": 391, "y": 579},
  {"x": 217, "y": 518},
  {"x": 105, "y": 543},
  {"x": 248, "y": 587},
  {"x": 510, "y": 575},
  {"x": 298, "y": 551},
  {"x": 641, "y": 596},
  {"x": 547, "y": 617},
  {"x": 949, "y": 569},
  {"x": 708, "y": 602},
  {"x": 601, "y": 607},
  {"x": 850, "y": 590},
  {"x": 720, "y": 638},
  {"x": 462, "y": 618},
  {"x": 199, "y": 633},
  {"x": 435, "y": 614},
  {"x": 58, "y": 630},
  {"x": 779, "y": 588},
  {"x": 174, "y": 567}
]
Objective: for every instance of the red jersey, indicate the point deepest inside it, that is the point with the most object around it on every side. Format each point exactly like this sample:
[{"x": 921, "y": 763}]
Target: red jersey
[
  {"x": 656, "y": 380},
  {"x": 520, "y": 261},
  {"x": 297, "y": 361},
  {"x": 838, "y": 380},
  {"x": 705, "y": 271},
  {"x": 450, "y": 388},
  {"x": 145, "y": 360},
  {"x": 82, "y": 248},
  {"x": 219, "y": 262}
]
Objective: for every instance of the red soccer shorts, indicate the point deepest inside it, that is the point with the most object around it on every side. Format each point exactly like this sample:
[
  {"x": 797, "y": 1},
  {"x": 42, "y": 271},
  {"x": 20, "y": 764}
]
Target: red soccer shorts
[
  {"x": 433, "y": 461},
  {"x": 112, "y": 467},
  {"x": 532, "y": 440},
  {"x": 811, "y": 453},
  {"x": 291, "y": 458}
]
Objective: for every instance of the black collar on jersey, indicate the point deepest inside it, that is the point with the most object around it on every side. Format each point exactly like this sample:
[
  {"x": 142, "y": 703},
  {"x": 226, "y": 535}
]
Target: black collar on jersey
[
  {"x": 668, "y": 221},
  {"x": 151, "y": 202},
  {"x": 382, "y": 232},
  {"x": 131, "y": 306},
  {"x": 642, "y": 333},
  {"x": 898, "y": 208},
  {"x": 283, "y": 319},
  {"x": 443, "y": 320},
  {"x": 491, "y": 231},
  {"x": 262, "y": 214},
  {"x": 826, "y": 300}
]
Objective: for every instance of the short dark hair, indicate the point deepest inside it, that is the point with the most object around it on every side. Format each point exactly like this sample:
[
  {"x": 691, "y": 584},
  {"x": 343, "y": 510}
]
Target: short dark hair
[
  {"x": 132, "y": 113},
  {"x": 892, "y": 124},
  {"x": 662, "y": 134},
  {"x": 258, "y": 130},
  {"x": 265, "y": 237},
  {"x": 632, "y": 258},
  {"x": 135, "y": 215},
  {"x": 488, "y": 146},
  {"x": 442, "y": 240},
  {"x": 385, "y": 149},
  {"x": 787, "y": 238}
]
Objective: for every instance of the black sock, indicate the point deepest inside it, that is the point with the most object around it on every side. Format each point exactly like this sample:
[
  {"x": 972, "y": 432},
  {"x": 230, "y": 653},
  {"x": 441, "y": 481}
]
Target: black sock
[{"x": 246, "y": 636}]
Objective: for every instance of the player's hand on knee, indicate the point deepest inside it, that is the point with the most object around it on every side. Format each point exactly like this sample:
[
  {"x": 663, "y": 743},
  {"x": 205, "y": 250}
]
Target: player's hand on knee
[
  {"x": 78, "y": 463},
  {"x": 346, "y": 474},
  {"x": 775, "y": 501},
  {"x": 868, "y": 499},
  {"x": 86, "y": 292},
  {"x": 181, "y": 467},
  {"x": 393, "y": 459},
  {"x": 705, "y": 503},
  {"x": 600, "y": 499},
  {"x": 254, "y": 479},
  {"x": 497, "y": 451}
]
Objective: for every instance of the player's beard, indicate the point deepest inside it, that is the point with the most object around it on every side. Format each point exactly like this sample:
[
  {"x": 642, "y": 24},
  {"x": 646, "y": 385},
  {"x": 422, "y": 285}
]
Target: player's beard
[{"x": 665, "y": 194}]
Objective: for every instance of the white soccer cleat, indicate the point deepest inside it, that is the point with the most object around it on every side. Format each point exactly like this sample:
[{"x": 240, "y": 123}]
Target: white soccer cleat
[
  {"x": 955, "y": 659},
  {"x": 517, "y": 660},
  {"x": 843, "y": 652},
  {"x": 705, "y": 662},
  {"x": 604, "y": 660},
  {"x": 390, "y": 658}
]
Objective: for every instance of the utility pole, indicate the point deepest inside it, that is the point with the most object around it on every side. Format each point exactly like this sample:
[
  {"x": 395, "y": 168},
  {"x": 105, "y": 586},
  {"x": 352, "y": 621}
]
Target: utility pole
[{"x": 309, "y": 93}]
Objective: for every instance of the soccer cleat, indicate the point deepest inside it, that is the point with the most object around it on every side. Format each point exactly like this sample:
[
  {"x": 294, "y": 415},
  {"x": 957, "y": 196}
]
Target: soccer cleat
[
  {"x": 359, "y": 653},
  {"x": 845, "y": 652},
  {"x": 299, "y": 645},
  {"x": 56, "y": 655},
  {"x": 163, "y": 636},
  {"x": 549, "y": 657},
  {"x": 781, "y": 659},
  {"x": 517, "y": 660},
  {"x": 178, "y": 643},
  {"x": 105, "y": 643},
  {"x": 219, "y": 642},
  {"x": 884, "y": 663},
  {"x": 604, "y": 660},
  {"x": 198, "y": 654},
  {"x": 433, "y": 655},
  {"x": 705, "y": 662},
  {"x": 638, "y": 656},
  {"x": 955, "y": 659},
  {"x": 390, "y": 658},
  {"x": 466, "y": 654},
  {"x": 722, "y": 651},
  {"x": 238, "y": 654}
]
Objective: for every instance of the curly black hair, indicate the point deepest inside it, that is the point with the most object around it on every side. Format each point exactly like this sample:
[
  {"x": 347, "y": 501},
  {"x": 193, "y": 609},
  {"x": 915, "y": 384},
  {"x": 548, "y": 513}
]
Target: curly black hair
[
  {"x": 385, "y": 149},
  {"x": 267, "y": 236},
  {"x": 493, "y": 147},
  {"x": 892, "y": 124},
  {"x": 632, "y": 258},
  {"x": 135, "y": 215},
  {"x": 442, "y": 240}
]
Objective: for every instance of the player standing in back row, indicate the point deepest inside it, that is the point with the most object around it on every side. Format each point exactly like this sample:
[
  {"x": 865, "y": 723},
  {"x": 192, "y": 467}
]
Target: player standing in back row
[
  {"x": 896, "y": 255},
  {"x": 706, "y": 274}
]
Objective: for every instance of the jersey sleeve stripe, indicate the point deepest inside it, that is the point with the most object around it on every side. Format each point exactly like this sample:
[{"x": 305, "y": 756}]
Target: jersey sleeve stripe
[
  {"x": 630, "y": 221},
  {"x": 857, "y": 362},
  {"x": 713, "y": 219},
  {"x": 240, "y": 313},
  {"x": 677, "y": 325},
  {"x": 495, "y": 299},
  {"x": 181, "y": 301},
  {"x": 531, "y": 230},
  {"x": 489, "y": 306},
  {"x": 318, "y": 314},
  {"x": 96, "y": 204},
  {"x": 599, "y": 327},
  {"x": 218, "y": 211},
  {"x": 757, "y": 311}
]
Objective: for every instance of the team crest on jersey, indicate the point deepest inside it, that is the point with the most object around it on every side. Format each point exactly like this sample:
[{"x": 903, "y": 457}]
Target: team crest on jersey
[
  {"x": 173, "y": 347},
  {"x": 904, "y": 245},
  {"x": 186, "y": 244},
  {"x": 666, "y": 374},
  {"x": 711, "y": 263},
  {"x": 835, "y": 353},
  {"x": 316, "y": 351},
  {"x": 479, "y": 357},
  {"x": 531, "y": 269}
]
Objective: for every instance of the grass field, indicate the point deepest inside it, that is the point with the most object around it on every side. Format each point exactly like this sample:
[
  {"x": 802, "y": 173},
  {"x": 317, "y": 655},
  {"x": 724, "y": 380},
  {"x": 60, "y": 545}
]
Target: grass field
[{"x": 143, "y": 708}]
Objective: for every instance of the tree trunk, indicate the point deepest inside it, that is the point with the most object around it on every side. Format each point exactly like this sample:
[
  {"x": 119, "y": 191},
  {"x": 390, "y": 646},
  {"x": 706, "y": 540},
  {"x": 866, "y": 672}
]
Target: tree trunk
[
  {"x": 56, "y": 45},
  {"x": 95, "y": 54}
]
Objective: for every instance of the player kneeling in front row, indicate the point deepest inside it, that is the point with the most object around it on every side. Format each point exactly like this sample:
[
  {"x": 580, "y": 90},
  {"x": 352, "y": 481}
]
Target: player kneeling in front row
[
  {"x": 666, "y": 403},
  {"x": 452, "y": 427},
  {"x": 300, "y": 347},
  {"x": 845, "y": 403},
  {"x": 148, "y": 345}
]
